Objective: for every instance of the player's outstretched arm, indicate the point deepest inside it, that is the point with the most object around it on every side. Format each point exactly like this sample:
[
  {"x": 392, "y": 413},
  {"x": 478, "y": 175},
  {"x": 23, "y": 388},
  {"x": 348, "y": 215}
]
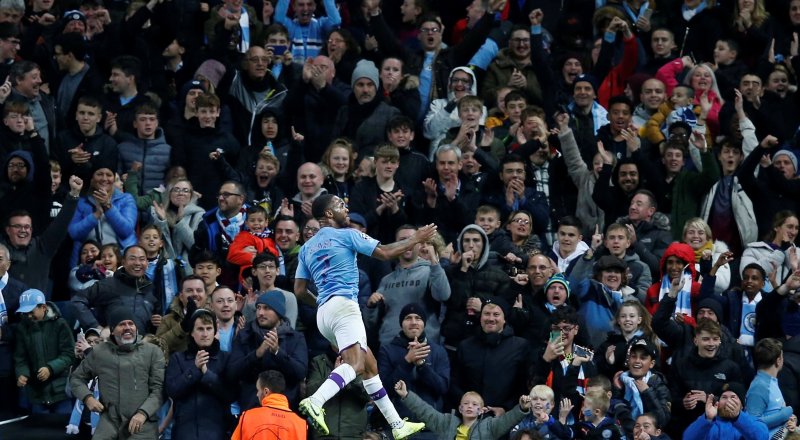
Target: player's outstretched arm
[{"x": 393, "y": 250}]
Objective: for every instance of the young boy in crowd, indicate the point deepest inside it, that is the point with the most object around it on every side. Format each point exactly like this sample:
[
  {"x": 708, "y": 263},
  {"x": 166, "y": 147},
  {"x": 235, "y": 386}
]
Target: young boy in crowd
[
  {"x": 540, "y": 420},
  {"x": 471, "y": 422},
  {"x": 506, "y": 124},
  {"x": 730, "y": 69},
  {"x": 470, "y": 132},
  {"x": 86, "y": 146},
  {"x": 655, "y": 398},
  {"x": 83, "y": 346},
  {"x": 596, "y": 424},
  {"x": 206, "y": 265},
  {"x": 646, "y": 424},
  {"x": 488, "y": 218},
  {"x": 683, "y": 108},
  {"x": 202, "y": 147},
  {"x": 148, "y": 151},
  {"x": 245, "y": 247},
  {"x": 44, "y": 351},
  {"x": 616, "y": 242}
]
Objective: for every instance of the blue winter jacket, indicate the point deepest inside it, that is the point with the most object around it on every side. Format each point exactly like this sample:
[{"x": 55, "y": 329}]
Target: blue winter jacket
[
  {"x": 117, "y": 225},
  {"x": 745, "y": 427}
]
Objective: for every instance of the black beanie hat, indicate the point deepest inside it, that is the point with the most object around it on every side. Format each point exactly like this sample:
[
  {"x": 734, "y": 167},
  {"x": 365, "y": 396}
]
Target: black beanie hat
[{"x": 413, "y": 308}]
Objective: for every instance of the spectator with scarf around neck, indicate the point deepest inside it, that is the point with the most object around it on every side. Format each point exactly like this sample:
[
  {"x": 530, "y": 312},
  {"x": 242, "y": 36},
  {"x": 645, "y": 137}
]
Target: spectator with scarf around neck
[{"x": 677, "y": 263}]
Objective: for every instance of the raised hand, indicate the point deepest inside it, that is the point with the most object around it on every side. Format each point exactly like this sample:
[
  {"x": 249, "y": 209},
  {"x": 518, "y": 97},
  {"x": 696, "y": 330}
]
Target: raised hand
[
  {"x": 159, "y": 210},
  {"x": 738, "y": 103},
  {"x": 711, "y": 407},
  {"x": 597, "y": 237},
  {"x": 564, "y": 410},
  {"x": 536, "y": 17},
  {"x": 677, "y": 286},
  {"x": 75, "y": 186},
  {"x": 724, "y": 258},
  {"x": 5, "y": 89},
  {"x": 608, "y": 159},
  {"x": 699, "y": 141},
  {"x": 400, "y": 389},
  {"x": 632, "y": 140}
]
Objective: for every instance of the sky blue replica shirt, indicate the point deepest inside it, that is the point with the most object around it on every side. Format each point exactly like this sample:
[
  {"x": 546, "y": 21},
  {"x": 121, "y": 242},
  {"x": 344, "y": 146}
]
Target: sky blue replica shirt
[{"x": 329, "y": 259}]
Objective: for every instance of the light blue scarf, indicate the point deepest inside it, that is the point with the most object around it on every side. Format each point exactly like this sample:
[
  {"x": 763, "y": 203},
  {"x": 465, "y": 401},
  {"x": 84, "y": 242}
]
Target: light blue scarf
[
  {"x": 632, "y": 395},
  {"x": 684, "y": 300}
]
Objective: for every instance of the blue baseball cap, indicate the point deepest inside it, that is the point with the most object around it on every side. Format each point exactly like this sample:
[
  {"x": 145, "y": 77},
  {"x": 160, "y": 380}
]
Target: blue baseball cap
[{"x": 30, "y": 299}]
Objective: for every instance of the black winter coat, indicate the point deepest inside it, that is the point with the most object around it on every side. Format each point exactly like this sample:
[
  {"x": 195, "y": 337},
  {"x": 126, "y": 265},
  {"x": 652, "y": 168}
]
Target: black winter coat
[
  {"x": 192, "y": 152},
  {"x": 102, "y": 147},
  {"x": 291, "y": 360},
  {"x": 202, "y": 401},
  {"x": 481, "y": 359},
  {"x": 693, "y": 372}
]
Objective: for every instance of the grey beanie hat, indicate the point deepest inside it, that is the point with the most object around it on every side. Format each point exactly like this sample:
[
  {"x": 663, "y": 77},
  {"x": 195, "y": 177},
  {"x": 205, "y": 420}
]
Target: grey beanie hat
[
  {"x": 788, "y": 154},
  {"x": 365, "y": 69}
]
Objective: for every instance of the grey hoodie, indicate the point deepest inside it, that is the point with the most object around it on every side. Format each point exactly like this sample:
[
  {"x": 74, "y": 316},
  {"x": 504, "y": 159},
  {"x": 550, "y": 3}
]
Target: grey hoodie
[
  {"x": 484, "y": 253},
  {"x": 420, "y": 283}
]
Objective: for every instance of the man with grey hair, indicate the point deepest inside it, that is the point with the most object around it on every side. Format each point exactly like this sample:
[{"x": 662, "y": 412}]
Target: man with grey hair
[
  {"x": 451, "y": 199},
  {"x": 26, "y": 80},
  {"x": 10, "y": 291},
  {"x": 11, "y": 11},
  {"x": 252, "y": 90}
]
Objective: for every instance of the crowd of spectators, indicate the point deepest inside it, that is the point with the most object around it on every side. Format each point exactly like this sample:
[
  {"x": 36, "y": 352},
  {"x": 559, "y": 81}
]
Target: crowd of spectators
[{"x": 615, "y": 185}]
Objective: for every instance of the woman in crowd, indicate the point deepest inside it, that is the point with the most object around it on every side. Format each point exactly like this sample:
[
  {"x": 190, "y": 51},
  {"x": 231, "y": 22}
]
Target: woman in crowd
[
  {"x": 104, "y": 214},
  {"x": 338, "y": 163},
  {"x": 398, "y": 88},
  {"x": 697, "y": 234},
  {"x": 523, "y": 240},
  {"x": 777, "y": 254},
  {"x": 344, "y": 51},
  {"x": 177, "y": 217}
]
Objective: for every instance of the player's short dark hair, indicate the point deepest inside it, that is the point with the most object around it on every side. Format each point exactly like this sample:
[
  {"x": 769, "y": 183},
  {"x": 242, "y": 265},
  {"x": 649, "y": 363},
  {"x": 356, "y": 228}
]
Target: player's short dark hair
[{"x": 321, "y": 204}]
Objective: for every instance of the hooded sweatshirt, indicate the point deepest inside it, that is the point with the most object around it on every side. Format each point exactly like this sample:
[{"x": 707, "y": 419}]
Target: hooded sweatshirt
[
  {"x": 443, "y": 113},
  {"x": 482, "y": 281},
  {"x": 28, "y": 194},
  {"x": 421, "y": 283}
]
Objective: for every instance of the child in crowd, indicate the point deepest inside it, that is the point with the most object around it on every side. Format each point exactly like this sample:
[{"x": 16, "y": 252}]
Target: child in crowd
[
  {"x": 473, "y": 420},
  {"x": 647, "y": 425},
  {"x": 43, "y": 353},
  {"x": 206, "y": 265},
  {"x": 86, "y": 341},
  {"x": 683, "y": 108},
  {"x": 488, "y": 218},
  {"x": 164, "y": 271},
  {"x": 730, "y": 69},
  {"x": 470, "y": 132},
  {"x": 246, "y": 246},
  {"x": 596, "y": 424},
  {"x": 655, "y": 398},
  {"x": 540, "y": 420}
]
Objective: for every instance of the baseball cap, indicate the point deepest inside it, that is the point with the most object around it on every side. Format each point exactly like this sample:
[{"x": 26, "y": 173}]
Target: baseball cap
[{"x": 30, "y": 299}]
